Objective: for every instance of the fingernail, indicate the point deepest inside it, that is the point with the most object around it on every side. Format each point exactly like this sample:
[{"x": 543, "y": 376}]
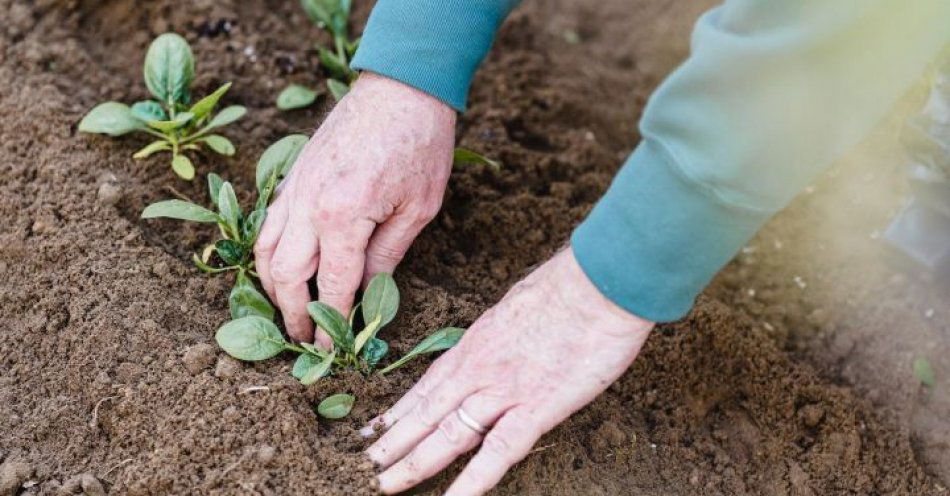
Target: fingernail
[{"x": 369, "y": 430}]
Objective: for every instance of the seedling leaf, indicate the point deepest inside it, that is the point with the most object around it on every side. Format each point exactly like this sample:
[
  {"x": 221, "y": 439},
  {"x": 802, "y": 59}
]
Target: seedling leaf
[
  {"x": 204, "y": 106},
  {"x": 219, "y": 144},
  {"x": 230, "y": 251},
  {"x": 374, "y": 351},
  {"x": 214, "y": 186},
  {"x": 308, "y": 368},
  {"x": 334, "y": 323},
  {"x": 367, "y": 334},
  {"x": 229, "y": 208},
  {"x": 169, "y": 69},
  {"x": 246, "y": 300},
  {"x": 336, "y": 406},
  {"x": 296, "y": 96},
  {"x": 112, "y": 118},
  {"x": 226, "y": 116},
  {"x": 179, "y": 121},
  {"x": 442, "y": 339},
  {"x": 381, "y": 299},
  {"x": 183, "y": 167},
  {"x": 337, "y": 88},
  {"x": 148, "y": 110},
  {"x": 179, "y": 209},
  {"x": 335, "y": 66},
  {"x": 465, "y": 156},
  {"x": 250, "y": 338},
  {"x": 252, "y": 226},
  {"x": 924, "y": 372},
  {"x": 276, "y": 161},
  {"x": 153, "y": 147}
]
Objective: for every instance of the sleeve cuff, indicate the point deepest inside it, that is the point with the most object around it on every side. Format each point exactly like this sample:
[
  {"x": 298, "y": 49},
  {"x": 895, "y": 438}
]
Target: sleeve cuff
[
  {"x": 657, "y": 238},
  {"x": 433, "y": 45}
]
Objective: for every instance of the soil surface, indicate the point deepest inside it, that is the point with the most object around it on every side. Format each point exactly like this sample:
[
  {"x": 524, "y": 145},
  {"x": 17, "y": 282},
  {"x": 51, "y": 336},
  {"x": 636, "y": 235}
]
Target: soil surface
[{"x": 110, "y": 382}]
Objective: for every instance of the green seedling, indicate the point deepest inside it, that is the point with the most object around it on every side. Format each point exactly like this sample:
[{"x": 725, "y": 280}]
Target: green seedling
[
  {"x": 255, "y": 337},
  {"x": 464, "y": 156},
  {"x": 333, "y": 16},
  {"x": 336, "y": 406},
  {"x": 924, "y": 372},
  {"x": 179, "y": 125},
  {"x": 234, "y": 250}
]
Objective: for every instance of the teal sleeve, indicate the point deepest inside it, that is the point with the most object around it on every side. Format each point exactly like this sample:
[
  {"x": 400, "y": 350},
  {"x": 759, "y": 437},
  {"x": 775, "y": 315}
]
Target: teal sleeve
[
  {"x": 772, "y": 93},
  {"x": 433, "y": 45}
]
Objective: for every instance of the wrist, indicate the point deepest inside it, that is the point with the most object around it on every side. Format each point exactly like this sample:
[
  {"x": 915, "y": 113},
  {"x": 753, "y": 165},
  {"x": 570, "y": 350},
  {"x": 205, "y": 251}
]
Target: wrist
[{"x": 393, "y": 91}]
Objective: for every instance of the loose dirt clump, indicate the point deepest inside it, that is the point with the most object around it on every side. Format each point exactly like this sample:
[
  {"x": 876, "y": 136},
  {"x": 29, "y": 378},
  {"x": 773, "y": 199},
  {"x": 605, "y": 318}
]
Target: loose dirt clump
[{"x": 109, "y": 375}]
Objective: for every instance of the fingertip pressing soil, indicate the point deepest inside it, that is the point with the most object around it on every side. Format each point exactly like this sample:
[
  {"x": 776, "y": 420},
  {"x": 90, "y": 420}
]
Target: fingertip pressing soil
[{"x": 109, "y": 377}]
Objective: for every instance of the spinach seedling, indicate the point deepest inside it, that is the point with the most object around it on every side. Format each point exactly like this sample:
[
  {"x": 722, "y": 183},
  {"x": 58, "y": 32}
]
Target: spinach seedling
[
  {"x": 234, "y": 250},
  {"x": 336, "y": 406},
  {"x": 333, "y": 16},
  {"x": 255, "y": 337},
  {"x": 178, "y": 124}
]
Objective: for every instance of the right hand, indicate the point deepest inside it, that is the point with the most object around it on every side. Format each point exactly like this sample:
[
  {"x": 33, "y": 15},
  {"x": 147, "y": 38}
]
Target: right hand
[{"x": 371, "y": 177}]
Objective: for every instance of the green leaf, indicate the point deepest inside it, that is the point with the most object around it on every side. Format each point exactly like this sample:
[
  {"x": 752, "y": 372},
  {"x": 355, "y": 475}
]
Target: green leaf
[
  {"x": 250, "y": 338},
  {"x": 148, "y": 110},
  {"x": 112, "y": 118},
  {"x": 337, "y": 88},
  {"x": 336, "y": 406},
  {"x": 228, "y": 208},
  {"x": 252, "y": 226},
  {"x": 153, "y": 147},
  {"x": 246, "y": 300},
  {"x": 334, "y": 323},
  {"x": 276, "y": 162},
  {"x": 352, "y": 46},
  {"x": 169, "y": 69},
  {"x": 183, "y": 167},
  {"x": 442, "y": 339},
  {"x": 374, "y": 351},
  {"x": 203, "y": 107},
  {"x": 381, "y": 299},
  {"x": 924, "y": 372},
  {"x": 214, "y": 186},
  {"x": 296, "y": 96},
  {"x": 465, "y": 156},
  {"x": 219, "y": 144},
  {"x": 179, "y": 121},
  {"x": 226, "y": 116},
  {"x": 308, "y": 368},
  {"x": 366, "y": 334},
  {"x": 334, "y": 65},
  {"x": 179, "y": 209},
  {"x": 230, "y": 251}
]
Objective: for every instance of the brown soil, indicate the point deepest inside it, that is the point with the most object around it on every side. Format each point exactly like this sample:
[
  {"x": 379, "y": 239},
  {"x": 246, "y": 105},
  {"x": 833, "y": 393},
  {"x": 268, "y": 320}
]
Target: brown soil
[{"x": 108, "y": 381}]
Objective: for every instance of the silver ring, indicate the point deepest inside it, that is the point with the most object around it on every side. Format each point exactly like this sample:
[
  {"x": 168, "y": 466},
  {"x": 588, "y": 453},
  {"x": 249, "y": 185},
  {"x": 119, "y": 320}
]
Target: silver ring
[{"x": 469, "y": 421}]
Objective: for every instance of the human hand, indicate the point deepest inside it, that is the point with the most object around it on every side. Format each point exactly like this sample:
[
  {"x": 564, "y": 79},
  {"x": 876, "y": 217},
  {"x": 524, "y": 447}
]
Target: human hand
[
  {"x": 548, "y": 348},
  {"x": 362, "y": 189}
]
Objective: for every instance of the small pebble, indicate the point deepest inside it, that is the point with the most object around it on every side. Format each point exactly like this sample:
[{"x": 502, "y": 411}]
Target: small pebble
[
  {"x": 109, "y": 193},
  {"x": 929, "y": 313},
  {"x": 13, "y": 474},
  {"x": 812, "y": 414},
  {"x": 199, "y": 357},
  {"x": 266, "y": 454},
  {"x": 226, "y": 367},
  {"x": 91, "y": 485}
]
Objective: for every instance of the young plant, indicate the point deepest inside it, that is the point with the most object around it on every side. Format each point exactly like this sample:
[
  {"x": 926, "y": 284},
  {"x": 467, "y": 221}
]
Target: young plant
[
  {"x": 333, "y": 16},
  {"x": 179, "y": 125},
  {"x": 234, "y": 251},
  {"x": 255, "y": 337}
]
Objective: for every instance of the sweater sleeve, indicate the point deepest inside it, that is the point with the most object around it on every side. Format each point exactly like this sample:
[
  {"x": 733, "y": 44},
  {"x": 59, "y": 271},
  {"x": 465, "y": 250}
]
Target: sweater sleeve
[
  {"x": 771, "y": 94},
  {"x": 432, "y": 45}
]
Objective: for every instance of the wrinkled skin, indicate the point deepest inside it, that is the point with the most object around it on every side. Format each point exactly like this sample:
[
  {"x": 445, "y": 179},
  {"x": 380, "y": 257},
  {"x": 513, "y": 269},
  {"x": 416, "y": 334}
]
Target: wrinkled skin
[
  {"x": 548, "y": 348},
  {"x": 362, "y": 189}
]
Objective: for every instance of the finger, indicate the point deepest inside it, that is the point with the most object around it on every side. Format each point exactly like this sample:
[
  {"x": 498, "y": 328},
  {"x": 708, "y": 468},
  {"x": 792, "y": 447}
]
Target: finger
[
  {"x": 437, "y": 372},
  {"x": 266, "y": 244},
  {"x": 342, "y": 253},
  {"x": 293, "y": 264},
  {"x": 389, "y": 244},
  {"x": 506, "y": 444},
  {"x": 452, "y": 438},
  {"x": 412, "y": 428}
]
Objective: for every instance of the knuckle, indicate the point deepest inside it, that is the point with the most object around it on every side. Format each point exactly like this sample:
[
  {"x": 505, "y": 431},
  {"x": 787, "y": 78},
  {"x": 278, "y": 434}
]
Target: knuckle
[
  {"x": 386, "y": 252},
  {"x": 284, "y": 273},
  {"x": 499, "y": 445},
  {"x": 450, "y": 429},
  {"x": 331, "y": 283},
  {"x": 425, "y": 412}
]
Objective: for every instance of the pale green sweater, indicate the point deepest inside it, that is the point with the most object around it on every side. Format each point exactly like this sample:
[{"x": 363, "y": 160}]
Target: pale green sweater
[{"x": 772, "y": 93}]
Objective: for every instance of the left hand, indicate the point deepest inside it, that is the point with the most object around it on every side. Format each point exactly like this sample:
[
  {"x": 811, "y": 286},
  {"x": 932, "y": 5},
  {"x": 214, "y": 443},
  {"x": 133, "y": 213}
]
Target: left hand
[{"x": 548, "y": 348}]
